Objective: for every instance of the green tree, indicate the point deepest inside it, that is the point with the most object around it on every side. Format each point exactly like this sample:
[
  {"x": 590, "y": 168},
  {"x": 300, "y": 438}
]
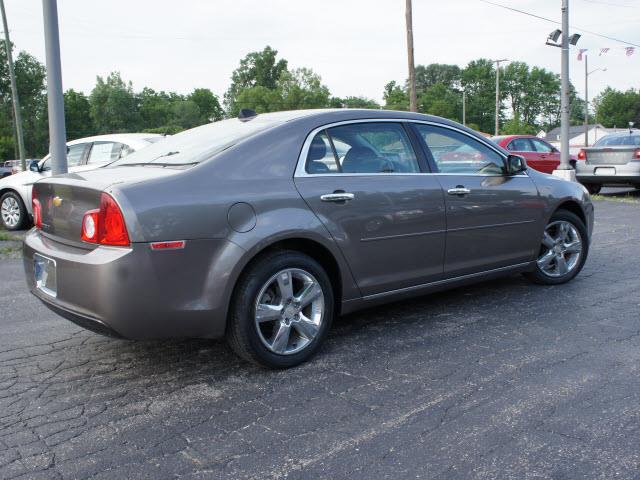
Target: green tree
[
  {"x": 186, "y": 114},
  {"x": 257, "y": 69},
  {"x": 77, "y": 115},
  {"x": 479, "y": 80},
  {"x": 615, "y": 108},
  {"x": 353, "y": 102},
  {"x": 441, "y": 100},
  {"x": 114, "y": 107},
  {"x": 395, "y": 97},
  {"x": 515, "y": 126},
  {"x": 208, "y": 104},
  {"x": 437, "y": 73},
  {"x": 154, "y": 108}
]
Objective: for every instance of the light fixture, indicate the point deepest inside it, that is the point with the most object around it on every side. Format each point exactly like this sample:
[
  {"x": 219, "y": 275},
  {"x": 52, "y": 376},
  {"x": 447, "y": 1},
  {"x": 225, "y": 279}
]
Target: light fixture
[
  {"x": 573, "y": 39},
  {"x": 555, "y": 35}
]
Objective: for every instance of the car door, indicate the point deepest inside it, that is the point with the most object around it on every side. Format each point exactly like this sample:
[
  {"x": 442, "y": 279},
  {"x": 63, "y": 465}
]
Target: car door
[
  {"x": 492, "y": 218},
  {"x": 522, "y": 146},
  {"x": 385, "y": 214},
  {"x": 549, "y": 156}
]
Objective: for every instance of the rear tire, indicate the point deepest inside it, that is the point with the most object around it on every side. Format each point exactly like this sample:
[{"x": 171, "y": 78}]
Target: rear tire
[
  {"x": 563, "y": 250},
  {"x": 593, "y": 188},
  {"x": 13, "y": 213},
  {"x": 282, "y": 294}
]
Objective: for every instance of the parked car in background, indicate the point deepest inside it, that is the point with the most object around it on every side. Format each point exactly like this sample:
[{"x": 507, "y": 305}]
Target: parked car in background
[
  {"x": 5, "y": 169},
  {"x": 261, "y": 230},
  {"x": 82, "y": 154},
  {"x": 539, "y": 154},
  {"x": 613, "y": 160},
  {"x": 16, "y": 167}
]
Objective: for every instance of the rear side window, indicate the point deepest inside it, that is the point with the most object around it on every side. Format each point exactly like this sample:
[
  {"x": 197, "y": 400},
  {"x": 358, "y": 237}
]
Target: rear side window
[
  {"x": 541, "y": 146},
  {"x": 104, "y": 152},
  {"x": 520, "y": 145},
  {"x": 75, "y": 153},
  {"x": 455, "y": 152},
  {"x": 362, "y": 148}
]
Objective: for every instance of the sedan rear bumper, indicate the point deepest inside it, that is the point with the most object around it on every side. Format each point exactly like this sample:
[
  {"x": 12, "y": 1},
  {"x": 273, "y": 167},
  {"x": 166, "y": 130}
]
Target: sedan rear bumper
[
  {"x": 137, "y": 292},
  {"x": 627, "y": 174}
]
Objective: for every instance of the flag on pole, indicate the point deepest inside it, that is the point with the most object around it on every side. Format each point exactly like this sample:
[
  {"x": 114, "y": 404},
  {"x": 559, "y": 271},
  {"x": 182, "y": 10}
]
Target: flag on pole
[
  {"x": 581, "y": 52},
  {"x": 630, "y": 51},
  {"x": 603, "y": 51}
]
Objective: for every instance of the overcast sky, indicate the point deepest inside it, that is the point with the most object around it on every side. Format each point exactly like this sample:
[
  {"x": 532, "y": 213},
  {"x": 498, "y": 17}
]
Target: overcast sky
[{"x": 356, "y": 46}]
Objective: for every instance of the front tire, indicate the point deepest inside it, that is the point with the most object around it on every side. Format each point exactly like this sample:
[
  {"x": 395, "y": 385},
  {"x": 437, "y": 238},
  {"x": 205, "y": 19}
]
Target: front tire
[
  {"x": 13, "y": 213},
  {"x": 281, "y": 311},
  {"x": 563, "y": 250}
]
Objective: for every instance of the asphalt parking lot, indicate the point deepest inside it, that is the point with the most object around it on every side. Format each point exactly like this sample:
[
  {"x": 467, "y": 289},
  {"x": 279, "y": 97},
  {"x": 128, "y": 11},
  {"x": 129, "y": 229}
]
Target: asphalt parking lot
[{"x": 500, "y": 380}]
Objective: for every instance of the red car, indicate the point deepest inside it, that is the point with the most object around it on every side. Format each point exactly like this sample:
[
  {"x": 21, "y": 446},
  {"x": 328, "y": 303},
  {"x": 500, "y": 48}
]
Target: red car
[{"x": 539, "y": 154}]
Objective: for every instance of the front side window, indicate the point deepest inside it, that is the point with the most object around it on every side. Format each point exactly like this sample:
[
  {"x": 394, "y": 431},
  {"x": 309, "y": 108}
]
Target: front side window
[
  {"x": 362, "y": 148},
  {"x": 104, "y": 152},
  {"x": 455, "y": 152},
  {"x": 541, "y": 147},
  {"x": 520, "y": 145}
]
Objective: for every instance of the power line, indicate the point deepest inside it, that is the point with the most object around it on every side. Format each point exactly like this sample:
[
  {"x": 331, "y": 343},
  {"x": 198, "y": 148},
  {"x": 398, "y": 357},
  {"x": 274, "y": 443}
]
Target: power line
[
  {"x": 555, "y": 22},
  {"x": 611, "y": 4}
]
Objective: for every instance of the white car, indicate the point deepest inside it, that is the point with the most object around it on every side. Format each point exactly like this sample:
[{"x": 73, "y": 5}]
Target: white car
[{"x": 82, "y": 154}]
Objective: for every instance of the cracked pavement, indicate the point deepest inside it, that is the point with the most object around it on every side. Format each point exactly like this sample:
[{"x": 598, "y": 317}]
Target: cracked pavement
[{"x": 500, "y": 380}]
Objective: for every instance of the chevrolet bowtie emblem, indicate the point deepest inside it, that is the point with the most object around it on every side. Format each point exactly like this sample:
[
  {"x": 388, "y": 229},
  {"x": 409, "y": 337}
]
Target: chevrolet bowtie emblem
[{"x": 57, "y": 201}]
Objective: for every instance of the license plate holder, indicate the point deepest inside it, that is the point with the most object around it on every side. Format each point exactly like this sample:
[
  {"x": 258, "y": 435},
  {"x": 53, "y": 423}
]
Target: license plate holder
[
  {"x": 44, "y": 271},
  {"x": 605, "y": 171}
]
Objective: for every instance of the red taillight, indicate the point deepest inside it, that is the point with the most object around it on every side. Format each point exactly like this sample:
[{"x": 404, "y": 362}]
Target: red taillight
[
  {"x": 105, "y": 226},
  {"x": 37, "y": 209},
  {"x": 636, "y": 154},
  {"x": 582, "y": 155}
]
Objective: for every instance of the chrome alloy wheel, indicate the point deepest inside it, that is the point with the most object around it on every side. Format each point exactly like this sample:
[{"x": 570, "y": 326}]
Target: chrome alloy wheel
[
  {"x": 561, "y": 249},
  {"x": 289, "y": 311},
  {"x": 10, "y": 212}
]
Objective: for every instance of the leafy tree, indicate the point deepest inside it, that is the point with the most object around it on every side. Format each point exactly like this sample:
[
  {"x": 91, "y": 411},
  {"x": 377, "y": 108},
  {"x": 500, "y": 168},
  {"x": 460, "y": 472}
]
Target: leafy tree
[
  {"x": 77, "y": 115},
  {"x": 437, "y": 73},
  {"x": 208, "y": 104},
  {"x": 353, "y": 102},
  {"x": 441, "y": 100},
  {"x": 114, "y": 107},
  {"x": 154, "y": 108},
  {"x": 479, "y": 80},
  {"x": 395, "y": 97},
  {"x": 515, "y": 126},
  {"x": 257, "y": 69},
  {"x": 186, "y": 114},
  {"x": 615, "y": 108}
]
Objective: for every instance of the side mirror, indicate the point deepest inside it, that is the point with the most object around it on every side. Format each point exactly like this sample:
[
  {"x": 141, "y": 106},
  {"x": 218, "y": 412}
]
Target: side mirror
[
  {"x": 516, "y": 164},
  {"x": 33, "y": 166}
]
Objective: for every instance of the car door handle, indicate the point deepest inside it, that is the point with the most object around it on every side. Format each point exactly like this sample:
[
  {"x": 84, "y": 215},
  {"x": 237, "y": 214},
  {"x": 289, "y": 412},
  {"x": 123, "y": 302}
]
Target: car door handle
[
  {"x": 459, "y": 190},
  {"x": 337, "y": 197}
]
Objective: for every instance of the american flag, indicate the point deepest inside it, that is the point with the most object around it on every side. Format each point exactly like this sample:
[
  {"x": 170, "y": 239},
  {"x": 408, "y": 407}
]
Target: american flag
[
  {"x": 630, "y": 51},
  {"x": 603, "y": 51},
  {"x": 581, "y": 53}
]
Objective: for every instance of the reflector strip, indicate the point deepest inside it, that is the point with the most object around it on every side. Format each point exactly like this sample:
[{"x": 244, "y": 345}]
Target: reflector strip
[{"x": 175, "y": 245}]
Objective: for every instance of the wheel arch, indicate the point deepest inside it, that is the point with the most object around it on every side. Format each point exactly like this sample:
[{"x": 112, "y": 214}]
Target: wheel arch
[
  {"x": 574, "y": 207},
  {"x": 314, "y": 248}
]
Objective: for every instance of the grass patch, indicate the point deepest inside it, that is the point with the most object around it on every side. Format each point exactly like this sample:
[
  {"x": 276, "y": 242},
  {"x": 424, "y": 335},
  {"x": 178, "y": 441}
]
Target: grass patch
[
  {"x": 7, "y": 237},
  {"x": 8, "y": 250},
  {"x": 628, "y": 198}
]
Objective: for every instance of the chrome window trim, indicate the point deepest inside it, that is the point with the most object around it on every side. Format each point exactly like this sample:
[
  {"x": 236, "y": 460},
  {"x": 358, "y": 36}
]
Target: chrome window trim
[{"x": 300, "y": 171}]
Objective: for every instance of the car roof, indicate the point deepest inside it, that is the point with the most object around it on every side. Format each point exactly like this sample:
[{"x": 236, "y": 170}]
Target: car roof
[
  {"x": 625, "y": 133},
  {"x": 132, "y": 139}
]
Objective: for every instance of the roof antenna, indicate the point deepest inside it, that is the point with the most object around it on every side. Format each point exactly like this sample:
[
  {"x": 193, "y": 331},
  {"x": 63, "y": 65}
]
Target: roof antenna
[{"x": 246, "y": 114}]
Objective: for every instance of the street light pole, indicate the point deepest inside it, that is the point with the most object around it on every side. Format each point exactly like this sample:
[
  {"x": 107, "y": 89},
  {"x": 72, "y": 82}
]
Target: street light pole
[
  {"x": 57, "y": 133},
  {"x": 498, "y": 62},
  {"x": 413, "y": 100},
  {"x": 564, "y": 94},
  {"x": 17, "y": 113}
]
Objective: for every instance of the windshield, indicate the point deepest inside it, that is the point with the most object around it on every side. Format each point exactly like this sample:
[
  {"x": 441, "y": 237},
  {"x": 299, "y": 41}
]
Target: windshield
[
  {"x": 201, "y": 143},
  {"x": 625, "y": 140}
]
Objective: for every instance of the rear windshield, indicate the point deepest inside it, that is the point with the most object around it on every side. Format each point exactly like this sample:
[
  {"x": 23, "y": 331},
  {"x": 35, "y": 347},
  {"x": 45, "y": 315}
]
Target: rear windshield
[
  {"x": 201, "y": 143},
  {"x": 611, "y": 140}
]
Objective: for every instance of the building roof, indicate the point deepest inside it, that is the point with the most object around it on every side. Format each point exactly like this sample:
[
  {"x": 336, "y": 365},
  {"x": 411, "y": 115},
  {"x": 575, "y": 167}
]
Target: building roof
[{"x": 574, "y": 131}]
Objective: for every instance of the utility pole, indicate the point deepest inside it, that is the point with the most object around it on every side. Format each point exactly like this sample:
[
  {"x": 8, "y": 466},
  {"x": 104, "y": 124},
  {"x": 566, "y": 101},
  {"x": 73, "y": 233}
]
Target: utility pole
[
  {"x": 57, "y": 133},
  {"x": 464, "y": 107},
  {"x": 17, "y": 114},
  {"x": 498, "y": 62},
  {"x": 413, "y": 100}
]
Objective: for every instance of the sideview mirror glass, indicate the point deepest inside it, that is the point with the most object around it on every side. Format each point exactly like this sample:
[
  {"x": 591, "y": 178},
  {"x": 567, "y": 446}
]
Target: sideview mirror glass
[
  {"x": 516, "y": 164},
  {"x": 33, "y": 166}
]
